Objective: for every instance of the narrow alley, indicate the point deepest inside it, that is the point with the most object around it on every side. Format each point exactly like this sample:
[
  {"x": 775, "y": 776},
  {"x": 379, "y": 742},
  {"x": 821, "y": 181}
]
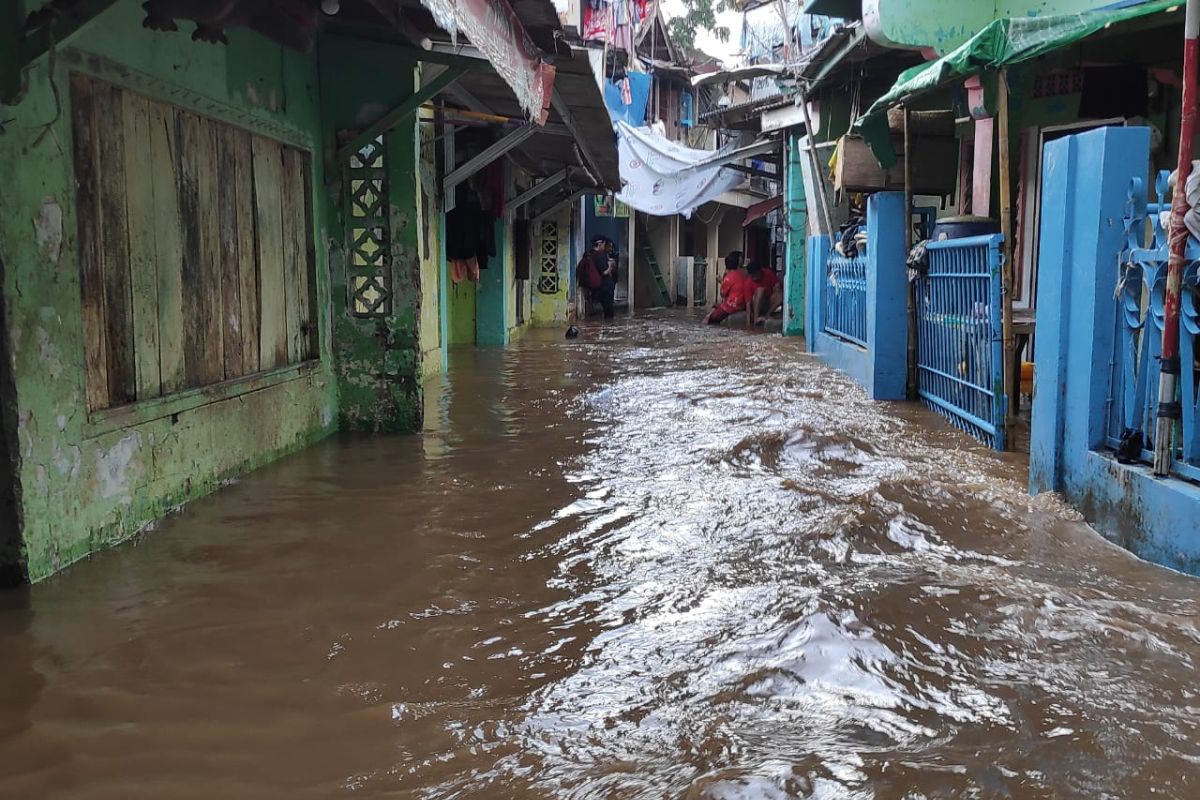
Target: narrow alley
[{"x": 656, "y": 561}]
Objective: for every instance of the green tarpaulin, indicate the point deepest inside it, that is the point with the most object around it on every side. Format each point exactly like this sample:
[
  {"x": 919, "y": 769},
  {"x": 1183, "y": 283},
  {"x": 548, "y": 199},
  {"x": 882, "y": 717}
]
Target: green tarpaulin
[{"x": 1000, "y": 43}]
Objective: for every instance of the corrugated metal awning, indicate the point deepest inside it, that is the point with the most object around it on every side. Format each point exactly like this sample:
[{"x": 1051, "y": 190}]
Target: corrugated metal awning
[
  {"x": 760, "y": 210},
  {"x": 740, "y": 74}
]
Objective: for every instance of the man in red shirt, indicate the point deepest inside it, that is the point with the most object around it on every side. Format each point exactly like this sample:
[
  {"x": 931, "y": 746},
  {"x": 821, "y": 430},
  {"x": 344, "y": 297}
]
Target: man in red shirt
[
  {"x": 733, "y": 295},
  {"x": 764, "y": 294}
]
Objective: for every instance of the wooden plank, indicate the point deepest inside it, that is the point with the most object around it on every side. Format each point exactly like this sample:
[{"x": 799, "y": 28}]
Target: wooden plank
[
  {"x": 168, "y": 245},
  {"x": 212, "y": 359},
  {"x": 268, "y": 215},
  {"x": 934, "y": 167},
  {"x": 309, "y": 328},
  {"x": 87, "y": 209},
  {"x": 231, "y": 278},
  {"x": 292, "y": 205},
  {"x": 188, "y": 148},
  {"x": 247, "y": 249},
  {"x": 1011, "y": 367},
  {"x": 114, "y": 245},
  {"x": 143, "y": 260}
]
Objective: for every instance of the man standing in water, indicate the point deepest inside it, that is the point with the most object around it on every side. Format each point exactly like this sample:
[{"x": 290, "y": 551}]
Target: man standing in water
[
  {"x": 733, "y": 296},
  {"x": 607, "y": 264}
]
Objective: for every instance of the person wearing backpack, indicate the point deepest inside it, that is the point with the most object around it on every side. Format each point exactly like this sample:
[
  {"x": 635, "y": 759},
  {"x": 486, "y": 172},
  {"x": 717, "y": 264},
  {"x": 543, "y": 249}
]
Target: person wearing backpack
[{"x": 589, "y": 276}]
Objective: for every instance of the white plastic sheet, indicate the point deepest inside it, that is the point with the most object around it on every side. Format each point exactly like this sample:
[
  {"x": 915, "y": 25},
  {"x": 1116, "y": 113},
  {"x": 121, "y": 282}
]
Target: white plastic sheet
[{"x": 662, "y": 177}]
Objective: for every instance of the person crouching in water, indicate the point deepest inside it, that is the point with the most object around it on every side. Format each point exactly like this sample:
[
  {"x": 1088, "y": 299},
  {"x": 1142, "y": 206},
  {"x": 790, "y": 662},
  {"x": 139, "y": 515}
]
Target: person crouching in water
[
  {"x": 733, "y": 295},
  {"x": 764, "y": 294}
]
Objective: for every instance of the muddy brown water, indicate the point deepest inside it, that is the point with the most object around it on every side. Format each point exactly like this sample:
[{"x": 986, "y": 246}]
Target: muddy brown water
[{"x": 657, "y": 562}]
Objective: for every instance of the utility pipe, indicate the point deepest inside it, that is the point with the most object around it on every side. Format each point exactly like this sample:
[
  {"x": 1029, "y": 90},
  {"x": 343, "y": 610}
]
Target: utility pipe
[
  {"x": 1008, "y": 268},
  {"x": 911, "y": 384},
  {"x": 1168, "y": 381},
  {"x": 818, "y": 173}
]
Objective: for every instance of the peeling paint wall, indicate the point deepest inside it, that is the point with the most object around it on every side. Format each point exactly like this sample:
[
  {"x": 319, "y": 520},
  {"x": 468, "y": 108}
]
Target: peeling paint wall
[
  {"x": 12, "y": 566},
  {"x": 378, "y": 360},
  {"x": 86, "y": 483}
]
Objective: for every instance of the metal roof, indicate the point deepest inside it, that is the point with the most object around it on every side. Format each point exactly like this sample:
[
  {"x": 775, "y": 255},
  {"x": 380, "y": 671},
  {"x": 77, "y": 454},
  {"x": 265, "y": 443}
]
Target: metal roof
[{"x": 548, "y": 152}]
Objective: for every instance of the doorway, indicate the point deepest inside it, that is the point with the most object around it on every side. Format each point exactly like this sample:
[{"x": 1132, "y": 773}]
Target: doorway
[{"x": 1033, "y": 144}]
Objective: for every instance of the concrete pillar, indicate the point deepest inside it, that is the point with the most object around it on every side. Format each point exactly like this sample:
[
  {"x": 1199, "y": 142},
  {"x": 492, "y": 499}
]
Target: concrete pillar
[
  {"x": 673, "y": 261},
  {"x": 1085, "y": 182},
  {"x": 796, "y": 215},
  {"x": 981, "y": 173},
  {"x": 887, "y": 296},
  {"x": 632, "y": 256},
  {"x": 882, "y": 366},
  {"x": 713, "y": 260},
  {"x": 816, "y": 256}
]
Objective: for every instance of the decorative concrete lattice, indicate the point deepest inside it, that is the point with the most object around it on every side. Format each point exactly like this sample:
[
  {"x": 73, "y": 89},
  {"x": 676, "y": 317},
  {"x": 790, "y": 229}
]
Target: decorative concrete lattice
[
  {"x": 548, "y": 259},
  {"x": 370, "y": 257}
]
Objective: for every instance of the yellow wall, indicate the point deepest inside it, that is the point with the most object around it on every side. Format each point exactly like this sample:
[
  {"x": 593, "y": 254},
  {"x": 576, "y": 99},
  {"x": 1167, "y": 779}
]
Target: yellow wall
[
  {"x": 551, "y": 309},
  {"x": 429, "y": 246}
]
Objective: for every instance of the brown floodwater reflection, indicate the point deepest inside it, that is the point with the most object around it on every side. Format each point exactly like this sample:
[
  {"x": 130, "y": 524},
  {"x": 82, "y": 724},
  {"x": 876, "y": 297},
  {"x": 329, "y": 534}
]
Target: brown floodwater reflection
[{"x": 660, "y": 561}]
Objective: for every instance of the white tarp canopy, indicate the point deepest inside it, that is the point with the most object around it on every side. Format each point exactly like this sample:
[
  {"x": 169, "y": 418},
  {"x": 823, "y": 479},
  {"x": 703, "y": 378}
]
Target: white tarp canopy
[{"x": 662, "y": 177}]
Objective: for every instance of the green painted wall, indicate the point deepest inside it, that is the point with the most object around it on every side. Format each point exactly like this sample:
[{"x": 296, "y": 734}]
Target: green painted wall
[
  {"x": 12, "y": 566},
  {"x": 461, "y": 310},
  {"x": 945, "y": 24},
  {"x": 378, "y": 360},
  {"x": 85, "y": 485},
  {"x": 796, "y": 208}
]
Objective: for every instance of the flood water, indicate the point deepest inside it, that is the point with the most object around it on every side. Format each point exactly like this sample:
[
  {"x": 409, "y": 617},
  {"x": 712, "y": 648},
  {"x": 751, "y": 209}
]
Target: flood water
[{"x": 657, "y": 562}]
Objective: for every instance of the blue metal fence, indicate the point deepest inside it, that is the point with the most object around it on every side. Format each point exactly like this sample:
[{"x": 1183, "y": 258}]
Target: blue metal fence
[
  {"x": 1133, "y": 395},
  {"x": 845, "y": 295},
  {"x": 960, "y": 363}
]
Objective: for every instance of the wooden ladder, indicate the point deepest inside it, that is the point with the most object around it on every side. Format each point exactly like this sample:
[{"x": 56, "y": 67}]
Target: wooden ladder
[{"x": 662, "y": 295}]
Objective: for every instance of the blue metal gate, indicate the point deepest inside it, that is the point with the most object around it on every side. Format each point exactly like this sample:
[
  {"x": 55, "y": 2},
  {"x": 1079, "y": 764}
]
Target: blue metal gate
[
  {"x": 960, "y": 360},
  {"x": 1133, "y": 396},
  {"x": 846, "y": 298}
]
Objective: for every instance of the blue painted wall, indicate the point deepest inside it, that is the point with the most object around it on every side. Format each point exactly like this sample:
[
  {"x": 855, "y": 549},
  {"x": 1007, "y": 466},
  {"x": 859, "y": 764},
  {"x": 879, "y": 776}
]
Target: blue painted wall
[
  {"x": 491, "y": 299},
  {"x": 882, "y": 366},
  {"x": 615, "y": 228},
  {"x": 1085, "y": 180}
]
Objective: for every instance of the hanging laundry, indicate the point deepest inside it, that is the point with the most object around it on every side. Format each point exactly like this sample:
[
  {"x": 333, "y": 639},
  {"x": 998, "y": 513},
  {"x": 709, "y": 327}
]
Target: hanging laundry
[
  {"x": 614, "y": 21},
  {"x": 464, "y": 269}
]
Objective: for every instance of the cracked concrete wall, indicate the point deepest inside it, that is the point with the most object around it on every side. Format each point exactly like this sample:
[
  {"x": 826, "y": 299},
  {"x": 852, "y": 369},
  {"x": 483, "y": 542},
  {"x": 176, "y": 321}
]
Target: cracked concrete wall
[
  {"x": 378, "y": 360},
  {"x": 84, "y": 484}
]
